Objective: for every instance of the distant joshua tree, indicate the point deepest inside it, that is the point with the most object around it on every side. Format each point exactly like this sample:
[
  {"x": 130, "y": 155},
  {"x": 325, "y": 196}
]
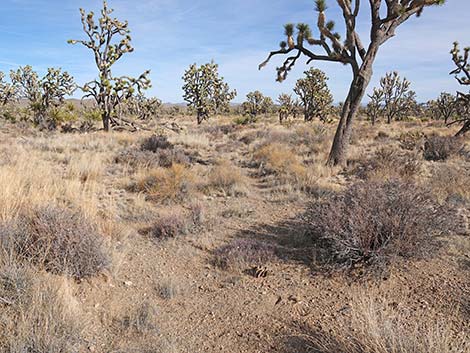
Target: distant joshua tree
[
  {"x": 393, "y": 99},
  {"x": 42, "y": 93},
  {"x": 314, "y": 95},
  {"x": 109, "y": 91},
  {"x": 256, "y": 103},
  {"x": 386, "y": 17},
  {"x": 205, "y": 91},
  {"x": 462, "y": 75},
  {"x": 287, "y": 106},
  {"x": 8, "y": 91}
]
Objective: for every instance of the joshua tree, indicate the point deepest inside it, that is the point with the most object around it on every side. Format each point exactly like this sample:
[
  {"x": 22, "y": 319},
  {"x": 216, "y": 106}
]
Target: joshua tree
[
  {"x": 205, "y": 92},
  {"x": 462, "y": 75},
  {"x": 353, "y": 51},
  {"x": 143, "y": 107},
  {"x": 256, "y": 104},
  {"x": 374, "y": 107},
  {"x": 445, "y": 106},
  {"x": 314, "y": 95},
  {"x": 42, "y": 93},
  {"x": 287, "y": 106},
  {"x": 393, "y": 99},
  {"x": 109, "y": 91},
  {"x": 8, "y": 91}
]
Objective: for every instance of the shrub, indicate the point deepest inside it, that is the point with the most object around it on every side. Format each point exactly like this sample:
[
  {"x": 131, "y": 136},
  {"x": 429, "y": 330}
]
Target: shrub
[
  {"x": 170, "y": 226},
  {"x": 369, "y": 224},
  {"x": 58, "y": 240},
  {"x": 178, "y": 223},
  {"x": 155, "y": 143},
  {"x": 172, "y": 184},
  {"x": 241, "y": 253},
  {"x": 388, "y": 163},
  {"x": 411, "y": 140},
  {"x": 440, "y": 148}
]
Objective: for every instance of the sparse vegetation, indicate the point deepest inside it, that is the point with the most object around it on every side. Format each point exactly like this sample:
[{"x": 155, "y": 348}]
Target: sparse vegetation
[{"x": 160, "y": 236}]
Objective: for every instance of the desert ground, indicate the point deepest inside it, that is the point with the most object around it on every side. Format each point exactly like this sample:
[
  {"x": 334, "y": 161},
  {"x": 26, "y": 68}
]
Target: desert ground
[{"x": 202, "y": 239}]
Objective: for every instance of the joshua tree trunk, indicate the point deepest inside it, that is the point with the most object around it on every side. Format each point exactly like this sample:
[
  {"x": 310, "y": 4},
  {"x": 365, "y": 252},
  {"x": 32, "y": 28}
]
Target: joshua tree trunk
[
  {"x": 465, "y": 128},
  {"x": 105, "y": 118},
  {"x": 362, "y": 77}
]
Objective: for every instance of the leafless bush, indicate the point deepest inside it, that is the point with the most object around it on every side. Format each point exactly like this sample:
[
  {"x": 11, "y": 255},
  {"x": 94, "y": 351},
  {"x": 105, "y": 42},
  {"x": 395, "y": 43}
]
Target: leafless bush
[
  {"x": 440, "y": 148},
  {"x": 372, "y": 223},
  {"x": 389, "y": 163},
  {"x": 243, "y": 252},
  {"x": 141, "y": 319},
  {"x": 59, "y": 240},
  {"x": 178, "y": 223},
  {"x": 147, "y": 158}
]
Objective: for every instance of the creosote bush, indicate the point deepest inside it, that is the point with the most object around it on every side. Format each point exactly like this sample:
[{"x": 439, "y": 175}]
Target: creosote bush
[
  {"x": 372, "y": 223},
  {"x": 440, "y": 148},
  {"x": 58, "y": 240}
]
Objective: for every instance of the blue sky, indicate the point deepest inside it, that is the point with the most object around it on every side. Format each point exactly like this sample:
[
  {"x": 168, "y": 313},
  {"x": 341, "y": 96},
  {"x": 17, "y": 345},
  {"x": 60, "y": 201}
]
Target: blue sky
[{"x": 168, "y": 35}]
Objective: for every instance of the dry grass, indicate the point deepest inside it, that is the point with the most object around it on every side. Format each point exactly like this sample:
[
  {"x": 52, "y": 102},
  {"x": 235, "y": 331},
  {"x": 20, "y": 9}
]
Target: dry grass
[
  {"x": 174, "y": 184},
  {"x": 449, "y": 181},
  {"x": 376, "y": 326},
  {"x": 227, "y": 178},
  {"x": 43, "y": 316}
]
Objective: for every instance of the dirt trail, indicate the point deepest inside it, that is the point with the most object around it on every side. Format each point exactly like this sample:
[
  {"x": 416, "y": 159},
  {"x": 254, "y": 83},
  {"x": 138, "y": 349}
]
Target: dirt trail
[{"x": 212, "y": 310}]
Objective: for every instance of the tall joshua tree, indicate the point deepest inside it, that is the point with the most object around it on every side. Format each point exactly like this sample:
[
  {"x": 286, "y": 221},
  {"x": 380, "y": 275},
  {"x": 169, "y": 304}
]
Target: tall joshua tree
[
  {"x": 109, "y": 91},
  {"x": 353, "y": 51}
]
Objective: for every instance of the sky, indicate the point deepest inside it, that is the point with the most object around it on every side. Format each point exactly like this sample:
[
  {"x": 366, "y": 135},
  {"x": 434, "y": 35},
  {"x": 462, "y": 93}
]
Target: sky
[{"x": 169, "y": 35}]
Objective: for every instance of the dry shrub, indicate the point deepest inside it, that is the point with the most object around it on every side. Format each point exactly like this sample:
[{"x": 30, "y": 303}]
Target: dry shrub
[
  {"x": 155, "y": 143},
  {"x": 376, "y": 326},
  {"x": 388, "y": 163},
  {"x": 58, "y": 240},
  {"x": 177, "y": 223},
  {"x": 440, "y": 148},
  {"x": 372, "y": 223},
  {"x": 140, "y": 320},
  {"x": 411, "y": 140},
  {"x": 241, "y": 253},
  {"x": 172, "y": 184},
  {"x": 450, "y": 182},
  {"x": 227, "y": 178}
]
